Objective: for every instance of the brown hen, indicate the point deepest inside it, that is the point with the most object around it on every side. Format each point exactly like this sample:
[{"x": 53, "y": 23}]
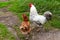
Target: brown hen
[{"x": 25, "y": 25}]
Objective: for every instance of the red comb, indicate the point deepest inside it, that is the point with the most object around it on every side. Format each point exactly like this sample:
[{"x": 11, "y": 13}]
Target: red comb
[{"x": 30, "y": 5}]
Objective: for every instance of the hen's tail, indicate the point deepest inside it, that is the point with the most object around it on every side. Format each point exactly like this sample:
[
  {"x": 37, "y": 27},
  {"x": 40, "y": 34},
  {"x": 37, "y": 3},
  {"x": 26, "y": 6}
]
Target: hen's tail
[{"x": 48, "y": 15}]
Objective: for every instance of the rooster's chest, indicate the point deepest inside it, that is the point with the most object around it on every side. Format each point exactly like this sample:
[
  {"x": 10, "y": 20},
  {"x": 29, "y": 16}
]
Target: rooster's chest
[{"x": 32, "y": 18}]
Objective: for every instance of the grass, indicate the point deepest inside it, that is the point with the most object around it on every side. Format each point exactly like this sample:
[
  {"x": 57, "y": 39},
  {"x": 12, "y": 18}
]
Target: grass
[
  {"x": 19, "y": 6},
  {"x": 23, "y": 6},
  {"x": 5, "y": 34},
  {"x": 4, "y": 4},
  {"x": 19, "y": 15},
  {"x": 55, "y": 22}
]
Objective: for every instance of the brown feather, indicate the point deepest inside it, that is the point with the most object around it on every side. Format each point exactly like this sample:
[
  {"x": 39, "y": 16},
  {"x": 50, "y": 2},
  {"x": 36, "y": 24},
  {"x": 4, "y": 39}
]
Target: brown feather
[{"x": 25, "y": 25}]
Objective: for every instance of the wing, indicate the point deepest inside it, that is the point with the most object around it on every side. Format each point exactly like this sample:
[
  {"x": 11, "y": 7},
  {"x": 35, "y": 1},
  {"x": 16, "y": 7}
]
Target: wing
[{"x": 40, "y": 19}]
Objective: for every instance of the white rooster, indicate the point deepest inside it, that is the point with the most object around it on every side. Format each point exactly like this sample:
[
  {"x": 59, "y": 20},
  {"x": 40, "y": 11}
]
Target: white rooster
[{"x": 36, "y": 18}]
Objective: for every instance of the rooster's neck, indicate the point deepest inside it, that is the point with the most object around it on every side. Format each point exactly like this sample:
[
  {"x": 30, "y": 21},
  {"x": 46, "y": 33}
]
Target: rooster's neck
[{"x": 33, "y": 10}]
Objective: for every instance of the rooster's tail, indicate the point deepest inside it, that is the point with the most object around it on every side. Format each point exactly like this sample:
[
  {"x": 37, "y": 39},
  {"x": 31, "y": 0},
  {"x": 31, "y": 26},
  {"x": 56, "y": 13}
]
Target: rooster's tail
[{"x": 48, "y": 15}]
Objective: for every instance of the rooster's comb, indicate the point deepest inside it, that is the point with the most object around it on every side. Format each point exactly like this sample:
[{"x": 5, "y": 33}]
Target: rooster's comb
[{"x": 30, "y": 5}]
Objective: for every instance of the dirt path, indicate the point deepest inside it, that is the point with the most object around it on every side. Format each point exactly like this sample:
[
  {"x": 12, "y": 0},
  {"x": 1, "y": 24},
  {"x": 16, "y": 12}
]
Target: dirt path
[
  {"x": 51, "y": 35},
  {"x": 10, "y": 20},
  {"x": 13, "y": 31}
]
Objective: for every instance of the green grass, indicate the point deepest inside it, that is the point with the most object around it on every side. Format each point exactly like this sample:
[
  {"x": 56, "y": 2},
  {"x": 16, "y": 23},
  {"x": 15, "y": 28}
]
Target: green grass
[
  {"x": 4, "y": 4},
  {"x": 5, "y": 34},
  {"x": 19, "y": 6},
  {"x": 19, "y": 15},
  {"x": 55, "y": 22},
  {"x": 41, "y": 5}
]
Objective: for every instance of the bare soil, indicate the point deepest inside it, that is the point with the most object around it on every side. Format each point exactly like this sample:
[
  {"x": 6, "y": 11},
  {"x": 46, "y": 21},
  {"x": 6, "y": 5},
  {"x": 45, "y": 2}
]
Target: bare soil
[
  {"x": 9, "y": 20},
  {"x": 50, "y": 35}
]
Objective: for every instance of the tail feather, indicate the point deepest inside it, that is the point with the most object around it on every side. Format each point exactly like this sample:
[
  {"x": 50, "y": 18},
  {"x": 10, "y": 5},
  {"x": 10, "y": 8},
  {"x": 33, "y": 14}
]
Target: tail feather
[{"x": 48, "y": 15}]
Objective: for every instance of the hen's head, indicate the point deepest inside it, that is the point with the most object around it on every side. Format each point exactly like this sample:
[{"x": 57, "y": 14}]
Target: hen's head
[{"x": 24, "y": 16}]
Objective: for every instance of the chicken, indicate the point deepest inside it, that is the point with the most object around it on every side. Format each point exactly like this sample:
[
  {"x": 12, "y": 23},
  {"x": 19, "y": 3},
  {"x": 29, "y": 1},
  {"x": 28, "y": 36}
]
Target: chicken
[
  {"x": 25, "y": 25},
  {"x": 38, "y": 19}
]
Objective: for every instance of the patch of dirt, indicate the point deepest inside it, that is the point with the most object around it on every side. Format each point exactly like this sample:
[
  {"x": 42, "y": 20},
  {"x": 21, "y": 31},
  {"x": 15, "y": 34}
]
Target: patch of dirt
[
  {"x": 53, "y": 34},
  {"x": 9, "y": 20}
]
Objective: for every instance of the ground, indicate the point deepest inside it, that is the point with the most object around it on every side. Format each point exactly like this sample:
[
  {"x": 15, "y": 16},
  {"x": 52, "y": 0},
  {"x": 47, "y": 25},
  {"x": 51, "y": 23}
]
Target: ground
[
  {"x": 51, "y": 35},
  {"x": 9, "y": 20}
]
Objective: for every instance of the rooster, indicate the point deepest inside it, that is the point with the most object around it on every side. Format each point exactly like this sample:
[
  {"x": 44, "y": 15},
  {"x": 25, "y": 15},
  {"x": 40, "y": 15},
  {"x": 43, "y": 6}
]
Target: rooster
[
  {"x": 38, "y": 19},
  {"x": 25, "y": 25}
]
